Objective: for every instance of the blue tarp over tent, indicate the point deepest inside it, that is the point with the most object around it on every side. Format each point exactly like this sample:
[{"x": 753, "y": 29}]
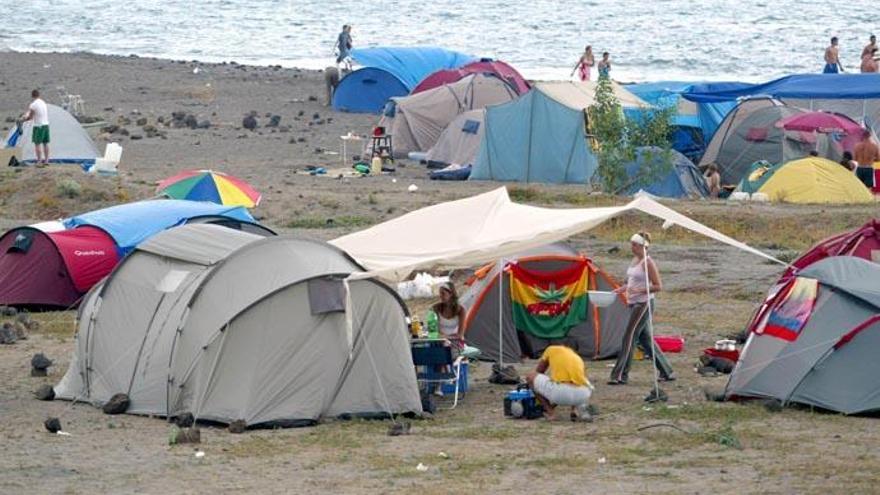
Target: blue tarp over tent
[
  {"x": 132, "y": 223},
  {"x": 688, "y": 135},
  {"x": 798, "y": 86},
  {"x": 534, "y": 139},
  {"x": 682, "y": 181},
  {"x": 389, "y": 72}
]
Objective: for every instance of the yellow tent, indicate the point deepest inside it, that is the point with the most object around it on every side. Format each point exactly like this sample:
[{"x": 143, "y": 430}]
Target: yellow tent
[{"x": 815, "y": 180}]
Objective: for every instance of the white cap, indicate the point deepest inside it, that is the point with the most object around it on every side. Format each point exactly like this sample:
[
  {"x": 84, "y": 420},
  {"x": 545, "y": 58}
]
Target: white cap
[{"x": 638, "y": 239}]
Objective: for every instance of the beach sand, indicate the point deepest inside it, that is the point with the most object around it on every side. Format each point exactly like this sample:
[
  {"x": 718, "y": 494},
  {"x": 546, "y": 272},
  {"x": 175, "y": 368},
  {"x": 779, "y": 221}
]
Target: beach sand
[{"x": 711, "y": 291}]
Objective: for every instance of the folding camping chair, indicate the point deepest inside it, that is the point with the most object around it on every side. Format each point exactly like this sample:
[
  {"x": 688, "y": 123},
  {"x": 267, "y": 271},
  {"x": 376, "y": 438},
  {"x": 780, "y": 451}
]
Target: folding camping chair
[{"x": 430, "y": 357}]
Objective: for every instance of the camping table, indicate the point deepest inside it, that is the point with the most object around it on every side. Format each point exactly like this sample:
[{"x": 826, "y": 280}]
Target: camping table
[{"x": 345, "y": 139}]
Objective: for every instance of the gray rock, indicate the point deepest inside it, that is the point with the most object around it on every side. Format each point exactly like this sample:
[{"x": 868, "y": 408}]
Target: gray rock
[
  {"x": 249, "y": 122},
  {"x": 185, "y": 420},
  {"x": 40, "y": 361},
  {"x": 53, "y": 425},
  {"x": 205, "y": 124},
  {"x": 142, "y": 121},
  {"x": 7, "y": 334},
  {"x": 191, "y": 121},
  {"x": 45, "y": 392},
  {"x": 110, "y": 129},
  {"x": 237, "y": 426},
  {"x": 123, "y": 132},
  {"x": 135, "y": 137},
  {"x": 117, "y": 404},
  {"x": 274, "y": 120}
]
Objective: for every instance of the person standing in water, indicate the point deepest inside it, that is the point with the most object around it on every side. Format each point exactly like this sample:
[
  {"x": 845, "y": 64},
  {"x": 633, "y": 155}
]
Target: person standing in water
[
  {"x": 605, "y": 66},
  {"x": 870, "y": 47},
  {"x": 640, "y": 289},
  {"x": 585, "y": 64},
  {"x": 832, "y": 58},
  {"x": 343, "y": 48}
]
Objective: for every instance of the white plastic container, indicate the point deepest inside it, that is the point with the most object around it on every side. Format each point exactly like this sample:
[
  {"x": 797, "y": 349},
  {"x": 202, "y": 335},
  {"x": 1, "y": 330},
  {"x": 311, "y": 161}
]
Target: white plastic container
[{"x": 601, "y": 298}]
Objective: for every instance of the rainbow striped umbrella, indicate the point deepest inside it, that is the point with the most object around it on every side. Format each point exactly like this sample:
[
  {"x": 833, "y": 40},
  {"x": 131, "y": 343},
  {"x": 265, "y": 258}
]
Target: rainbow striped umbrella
[{"x": 207, "y": 185}]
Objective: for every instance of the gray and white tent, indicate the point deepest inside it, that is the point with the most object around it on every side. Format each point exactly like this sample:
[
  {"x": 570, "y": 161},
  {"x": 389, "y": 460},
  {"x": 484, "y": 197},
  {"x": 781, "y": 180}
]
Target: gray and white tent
[
  {"x": 831, "y": 361},
  {"x": 416, "y": 121},
  {"x": 69, "y": 142},
  {"x": 230, "y": 326},
  {"x": 459, "y": 143},
  {"x": 598, "y": 337}
]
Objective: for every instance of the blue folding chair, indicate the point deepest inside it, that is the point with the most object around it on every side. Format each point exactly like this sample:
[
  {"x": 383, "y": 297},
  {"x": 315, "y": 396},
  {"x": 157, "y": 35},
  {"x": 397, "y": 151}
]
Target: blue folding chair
[{"x": 431, "y": 357}]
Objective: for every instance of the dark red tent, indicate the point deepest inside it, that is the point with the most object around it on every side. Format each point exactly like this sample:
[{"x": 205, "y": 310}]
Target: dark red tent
[
  {"x": 494, "y": 67},
  {"x": 863, "y": 242},
  {"x": 42, "y": 270}
]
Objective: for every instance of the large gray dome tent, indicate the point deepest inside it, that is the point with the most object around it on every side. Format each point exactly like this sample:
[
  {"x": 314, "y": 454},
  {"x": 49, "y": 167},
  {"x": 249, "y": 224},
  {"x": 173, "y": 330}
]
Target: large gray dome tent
[
  {"x": 829, "y": 358},
  {"x": 598, "y": 337},
  {"x": 70, "y": 143},
  {"x": 229, "y": 326}
]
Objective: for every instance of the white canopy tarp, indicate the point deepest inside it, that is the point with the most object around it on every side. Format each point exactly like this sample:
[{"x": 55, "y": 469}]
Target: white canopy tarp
[{"x": 487, "y": 227}]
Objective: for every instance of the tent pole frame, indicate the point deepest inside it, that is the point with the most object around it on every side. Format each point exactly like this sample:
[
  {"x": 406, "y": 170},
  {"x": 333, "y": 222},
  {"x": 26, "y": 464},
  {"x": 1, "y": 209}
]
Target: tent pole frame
[{"x": 500, "y": 313}]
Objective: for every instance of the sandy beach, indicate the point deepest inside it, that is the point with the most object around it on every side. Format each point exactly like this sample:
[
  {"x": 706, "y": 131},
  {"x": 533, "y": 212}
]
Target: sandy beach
[{"x": 711, "y": 291}]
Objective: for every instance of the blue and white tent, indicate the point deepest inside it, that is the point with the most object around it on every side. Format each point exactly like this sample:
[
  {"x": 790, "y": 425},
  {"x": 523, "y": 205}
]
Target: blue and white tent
[
  {"x": 683, "y": 180},
  {"x": 131, "y": 223},
  {"x": 69, "y": 142},
  {"x": 542, "y": 135},
  {"x": 390, "y": 71}
]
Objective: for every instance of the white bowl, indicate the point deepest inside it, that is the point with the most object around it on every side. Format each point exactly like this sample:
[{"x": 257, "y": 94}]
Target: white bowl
[{"x": 601, "y": 298}]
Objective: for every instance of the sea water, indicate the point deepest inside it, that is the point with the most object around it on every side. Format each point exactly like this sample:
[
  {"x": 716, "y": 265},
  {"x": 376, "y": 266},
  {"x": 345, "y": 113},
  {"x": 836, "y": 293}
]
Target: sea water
[{"x": 649, "y": 40}]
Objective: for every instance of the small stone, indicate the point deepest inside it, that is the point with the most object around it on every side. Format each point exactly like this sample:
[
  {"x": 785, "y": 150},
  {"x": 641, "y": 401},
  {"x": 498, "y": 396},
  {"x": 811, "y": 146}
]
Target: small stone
[
  {"x": 316, "y": 116},
  {"x": 161, "y": 119},
  {"x": 283, "y": 128},
  {"x": 123, "y": 132},
  {"x": 300, "y": 113},
  {"x": 108, "y": 109},
  {"x": 45, "y": 392},
  {"x": 110, "y": 129},
  {"x": 53, "y": 425},
  {"x": 274, "y": 120},
  {"x": 135, "y": 137},
  {"x": 142, "y": 121},
  {"x": 191, "y": 122},
  {"x": 40, "y": 361},
  {"x": 313, "y": 98},
  {"x": 7, "y": 334},
  {"x": 185, "y": 420},
  {"x": 300, "y": 139},
  {"x": 123, "y": 120},
  {"x": 319, "y": 122},
  {"x": 178, "y": 115},
  {"x": 249, "y": 122},
  {"x": 205, "y": 124},
  {"x": 117, "y": 404},
  {"x": 237, "y": 426}
]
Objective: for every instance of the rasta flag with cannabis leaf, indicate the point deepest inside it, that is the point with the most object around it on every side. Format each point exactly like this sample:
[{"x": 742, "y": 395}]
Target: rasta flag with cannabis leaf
[{"x": 548, "y": 304}]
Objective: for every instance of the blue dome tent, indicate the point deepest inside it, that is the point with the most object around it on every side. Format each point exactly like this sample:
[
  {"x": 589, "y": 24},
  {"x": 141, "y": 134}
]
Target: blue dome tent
[
  {"x": 390, "y": 71},
  {"x": 683, "y": 180}
]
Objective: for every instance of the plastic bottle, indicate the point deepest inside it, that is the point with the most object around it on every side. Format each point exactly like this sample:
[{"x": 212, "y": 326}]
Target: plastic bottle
[
  {"x": 433, "y": 325},
  {"x": 376, "y": 165},
  {"x": 416, "y": 327}
]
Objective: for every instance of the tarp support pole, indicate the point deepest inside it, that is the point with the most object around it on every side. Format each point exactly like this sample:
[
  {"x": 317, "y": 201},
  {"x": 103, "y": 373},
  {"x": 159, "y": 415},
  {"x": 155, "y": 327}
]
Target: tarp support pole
[
  {"x": 654, "y": 347},
  {"x": 500, "y": 313}
]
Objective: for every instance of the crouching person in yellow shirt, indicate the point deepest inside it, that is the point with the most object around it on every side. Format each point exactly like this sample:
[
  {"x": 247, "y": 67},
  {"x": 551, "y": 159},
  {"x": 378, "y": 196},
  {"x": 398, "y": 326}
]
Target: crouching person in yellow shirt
[{"x": 559, "y": 379}]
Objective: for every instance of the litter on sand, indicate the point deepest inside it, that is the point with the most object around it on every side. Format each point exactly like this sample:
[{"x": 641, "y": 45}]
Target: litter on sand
[{"x": 421, "y": 467}]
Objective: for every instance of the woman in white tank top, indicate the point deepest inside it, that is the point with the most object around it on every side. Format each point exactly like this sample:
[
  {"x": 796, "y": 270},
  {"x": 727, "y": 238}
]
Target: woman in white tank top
[
  {"x": 450, "y": 314},
  {"x": 640, "y": 289}
]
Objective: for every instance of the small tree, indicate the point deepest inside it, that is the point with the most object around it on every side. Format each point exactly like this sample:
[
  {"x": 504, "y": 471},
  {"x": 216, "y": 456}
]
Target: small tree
[{"x": 616, "y": 138}]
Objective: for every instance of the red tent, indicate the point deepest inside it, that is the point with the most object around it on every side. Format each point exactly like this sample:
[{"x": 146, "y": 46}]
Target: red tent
[
  {"x": 494, "y": 67},
  {"x": 863, "y": 242},
  {"x": 41, "y": 270}
]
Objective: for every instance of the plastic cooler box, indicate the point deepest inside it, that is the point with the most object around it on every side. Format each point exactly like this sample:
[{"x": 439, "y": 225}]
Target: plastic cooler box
[
  {"x": 449, "y": 388},
  {"x": 669, "y": 343}
]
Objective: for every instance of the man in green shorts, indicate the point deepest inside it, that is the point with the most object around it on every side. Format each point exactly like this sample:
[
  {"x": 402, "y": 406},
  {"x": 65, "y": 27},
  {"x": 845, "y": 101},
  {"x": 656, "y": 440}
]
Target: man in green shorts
[{"x": 39, "y": 113}]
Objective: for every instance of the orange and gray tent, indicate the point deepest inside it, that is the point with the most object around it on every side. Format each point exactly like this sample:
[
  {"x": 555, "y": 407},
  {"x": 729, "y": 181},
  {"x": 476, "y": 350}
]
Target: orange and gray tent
[
  {"x": 815, "y": 340},
  {"x": 598, "y": 337},
  {"x": 749, "y": 133},
  {"x": 230, "y": 326}
]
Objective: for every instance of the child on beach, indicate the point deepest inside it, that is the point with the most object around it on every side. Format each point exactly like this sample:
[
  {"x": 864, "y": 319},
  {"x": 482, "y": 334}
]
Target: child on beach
[{"x": 605, "y": 66}]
